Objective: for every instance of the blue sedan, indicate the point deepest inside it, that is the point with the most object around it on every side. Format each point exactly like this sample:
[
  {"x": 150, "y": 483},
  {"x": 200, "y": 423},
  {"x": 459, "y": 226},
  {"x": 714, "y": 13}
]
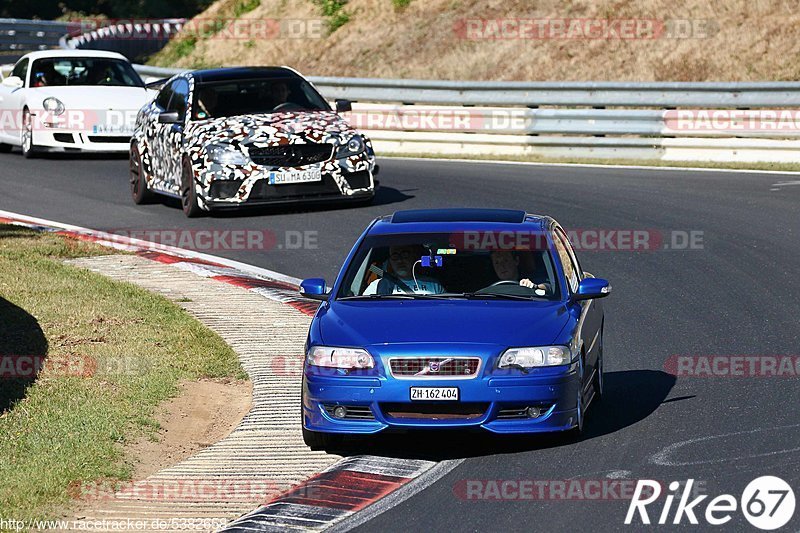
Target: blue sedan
[{"x": 454, "y": 318}]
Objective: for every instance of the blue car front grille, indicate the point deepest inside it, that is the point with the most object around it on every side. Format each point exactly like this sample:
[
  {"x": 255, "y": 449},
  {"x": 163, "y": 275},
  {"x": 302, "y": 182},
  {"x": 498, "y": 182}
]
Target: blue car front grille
[
  {"x": 434, "y": 411},
  {"x": 434, "y": 367}
]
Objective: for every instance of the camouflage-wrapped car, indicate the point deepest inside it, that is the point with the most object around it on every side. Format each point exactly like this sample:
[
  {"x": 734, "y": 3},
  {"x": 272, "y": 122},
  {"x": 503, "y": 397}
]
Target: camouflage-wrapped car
[{"x": 247, "y": 136}]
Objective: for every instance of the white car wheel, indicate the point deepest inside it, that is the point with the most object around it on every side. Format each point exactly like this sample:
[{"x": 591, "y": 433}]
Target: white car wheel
[{"x": 28, "y": 148}]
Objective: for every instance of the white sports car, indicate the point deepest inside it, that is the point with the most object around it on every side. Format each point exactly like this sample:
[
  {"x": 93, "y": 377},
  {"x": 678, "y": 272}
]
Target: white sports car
[{"x": 70, "y": 100}]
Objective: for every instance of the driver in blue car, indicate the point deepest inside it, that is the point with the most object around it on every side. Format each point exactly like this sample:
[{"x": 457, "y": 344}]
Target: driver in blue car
[
  {"x": 403, "y": 278},
  {"x": 506, "y": 266}
]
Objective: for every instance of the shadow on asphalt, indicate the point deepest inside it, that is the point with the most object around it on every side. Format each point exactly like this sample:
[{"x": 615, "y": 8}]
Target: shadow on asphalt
[
  {"x": 630, "y": 397},
  {"x": 21, "y": 341},
  {"x": 73, "y": 155},
  {"x": 384, "y": 196}
]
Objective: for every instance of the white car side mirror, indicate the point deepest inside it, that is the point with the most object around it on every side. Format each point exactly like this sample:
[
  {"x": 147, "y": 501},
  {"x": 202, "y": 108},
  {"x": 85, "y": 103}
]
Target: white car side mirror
[{"x": 13, "y": 81}]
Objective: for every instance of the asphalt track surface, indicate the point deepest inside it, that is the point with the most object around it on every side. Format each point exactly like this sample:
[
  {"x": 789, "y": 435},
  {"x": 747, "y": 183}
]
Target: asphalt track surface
[{"x": 736, "y": 295}]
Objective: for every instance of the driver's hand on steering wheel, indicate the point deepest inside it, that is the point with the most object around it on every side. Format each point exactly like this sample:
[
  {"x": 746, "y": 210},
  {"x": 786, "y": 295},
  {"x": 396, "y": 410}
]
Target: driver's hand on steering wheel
[{"x": 541, "y": 289}]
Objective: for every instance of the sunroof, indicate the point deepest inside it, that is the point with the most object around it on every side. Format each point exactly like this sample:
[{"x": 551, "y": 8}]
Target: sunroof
[{"x": 459, "y": 215}]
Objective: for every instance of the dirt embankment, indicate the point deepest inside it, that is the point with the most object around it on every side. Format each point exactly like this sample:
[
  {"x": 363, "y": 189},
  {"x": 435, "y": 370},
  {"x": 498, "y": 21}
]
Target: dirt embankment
[{"x": 656, "y": 40}]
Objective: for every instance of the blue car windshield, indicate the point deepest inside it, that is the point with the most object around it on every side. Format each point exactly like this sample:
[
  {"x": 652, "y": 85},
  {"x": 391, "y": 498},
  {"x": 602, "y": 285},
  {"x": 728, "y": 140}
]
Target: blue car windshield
[{"x": 474, "y": 265}]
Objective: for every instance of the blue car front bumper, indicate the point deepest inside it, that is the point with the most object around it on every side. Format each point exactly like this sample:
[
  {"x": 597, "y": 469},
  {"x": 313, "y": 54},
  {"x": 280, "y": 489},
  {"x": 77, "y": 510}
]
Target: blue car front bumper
[{"x": 494, "y": 403}]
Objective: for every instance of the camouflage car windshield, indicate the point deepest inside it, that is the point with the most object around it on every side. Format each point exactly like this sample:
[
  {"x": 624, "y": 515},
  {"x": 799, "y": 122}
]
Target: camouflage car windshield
[{"x": 250, "y": 97}]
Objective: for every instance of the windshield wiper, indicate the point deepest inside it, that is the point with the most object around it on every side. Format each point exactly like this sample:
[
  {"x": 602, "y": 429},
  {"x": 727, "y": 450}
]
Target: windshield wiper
[
  {"x": 440, "y": 296},
  {"x": 477, "y": 295},
  {"x": 398, "y": 296}
]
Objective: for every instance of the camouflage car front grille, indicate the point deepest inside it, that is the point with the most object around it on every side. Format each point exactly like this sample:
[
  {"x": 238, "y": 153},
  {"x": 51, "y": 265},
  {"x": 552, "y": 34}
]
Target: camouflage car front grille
[{"x": 291, "y": 155}]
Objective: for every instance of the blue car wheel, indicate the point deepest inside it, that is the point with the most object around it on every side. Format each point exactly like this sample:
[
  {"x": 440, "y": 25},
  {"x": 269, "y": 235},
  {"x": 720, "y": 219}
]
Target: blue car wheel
[{"x": 598, "y": 377}]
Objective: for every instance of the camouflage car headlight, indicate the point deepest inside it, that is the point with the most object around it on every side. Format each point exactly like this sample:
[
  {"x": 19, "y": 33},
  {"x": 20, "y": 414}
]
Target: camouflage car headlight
[
  {"x": 225, "y": 154},
  {"x": 354, "y": 146}
]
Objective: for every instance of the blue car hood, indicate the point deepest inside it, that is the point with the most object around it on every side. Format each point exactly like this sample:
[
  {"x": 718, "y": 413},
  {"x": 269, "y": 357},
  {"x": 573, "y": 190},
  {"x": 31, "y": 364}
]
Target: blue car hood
[{"x": 498, "y": 323}]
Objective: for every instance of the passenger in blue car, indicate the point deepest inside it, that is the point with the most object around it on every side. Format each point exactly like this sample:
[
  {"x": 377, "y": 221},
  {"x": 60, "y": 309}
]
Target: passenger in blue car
[{"x": 403, "y": 278}]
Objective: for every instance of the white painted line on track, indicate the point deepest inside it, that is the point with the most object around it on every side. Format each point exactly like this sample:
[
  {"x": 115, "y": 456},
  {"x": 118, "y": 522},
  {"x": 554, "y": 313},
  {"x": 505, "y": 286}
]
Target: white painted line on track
[
  {"x": 119, "y": 242},
  {"x": 397, "y": 497},
  {"x": 596, "y": 165}
]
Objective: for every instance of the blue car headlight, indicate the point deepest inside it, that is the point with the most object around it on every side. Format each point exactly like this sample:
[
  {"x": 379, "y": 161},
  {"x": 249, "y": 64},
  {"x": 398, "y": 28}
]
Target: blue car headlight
[
  {"x": 535, "y": 356},
  {"x": 354, "y": 146},
  {"x": 336, "y": 357},
  {"x": 225, "y": 154}
]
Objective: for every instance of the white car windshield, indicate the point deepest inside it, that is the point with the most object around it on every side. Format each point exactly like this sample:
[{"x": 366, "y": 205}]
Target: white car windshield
[{"x": 102, "y": 71}]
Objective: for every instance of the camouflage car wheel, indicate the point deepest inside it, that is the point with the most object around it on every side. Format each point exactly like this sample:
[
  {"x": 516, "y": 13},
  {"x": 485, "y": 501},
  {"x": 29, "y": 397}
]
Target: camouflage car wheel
[{"x": 191, "y": 208}]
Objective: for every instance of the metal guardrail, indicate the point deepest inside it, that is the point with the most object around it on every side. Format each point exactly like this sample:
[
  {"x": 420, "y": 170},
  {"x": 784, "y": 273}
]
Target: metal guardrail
[
  {"x": 17, "y": 36},
  {"x": 671, "y": 121},
  {"x": 536, "y": 94},
  {"x": 564, "y": 119}
]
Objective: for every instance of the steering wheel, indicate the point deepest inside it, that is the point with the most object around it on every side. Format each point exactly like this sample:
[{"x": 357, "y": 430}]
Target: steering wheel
[
  {"x": 288, "y": 106},
  {"x": 504, "y": 282},
  {"x": 536, "y": 287}
]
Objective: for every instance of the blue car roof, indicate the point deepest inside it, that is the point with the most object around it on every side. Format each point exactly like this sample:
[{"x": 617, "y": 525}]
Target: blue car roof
[
  {"x": 458, "y": 215},
  {"x": 446, "y": 220}
]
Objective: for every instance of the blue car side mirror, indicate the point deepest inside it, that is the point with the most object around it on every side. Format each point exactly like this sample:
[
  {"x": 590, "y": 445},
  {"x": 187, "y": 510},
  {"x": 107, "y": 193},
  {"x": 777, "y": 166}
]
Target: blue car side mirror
[
  {"x": 314, "y": 288},
  {"x": 591, "y": 288}
]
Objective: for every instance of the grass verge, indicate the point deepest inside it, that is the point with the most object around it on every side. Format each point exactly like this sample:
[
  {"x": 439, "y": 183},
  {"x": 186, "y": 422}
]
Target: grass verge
[
  {"x": 779, "y": 167},
  {"x": 112, "y": 352}
]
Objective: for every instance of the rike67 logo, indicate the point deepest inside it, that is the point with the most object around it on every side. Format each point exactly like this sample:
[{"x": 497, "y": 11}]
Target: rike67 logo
[{"x": 767, "y": 502}]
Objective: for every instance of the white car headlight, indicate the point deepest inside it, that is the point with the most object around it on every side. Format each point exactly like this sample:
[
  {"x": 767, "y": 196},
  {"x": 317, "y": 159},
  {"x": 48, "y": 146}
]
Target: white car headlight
[
  {"x": 535, "y": 356},
  {"x": 53, "y": 105},
  {"x": 333, "y": 357},
  {"x": 225, "y": 154},
  {"x": 354, "y": 146}
]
